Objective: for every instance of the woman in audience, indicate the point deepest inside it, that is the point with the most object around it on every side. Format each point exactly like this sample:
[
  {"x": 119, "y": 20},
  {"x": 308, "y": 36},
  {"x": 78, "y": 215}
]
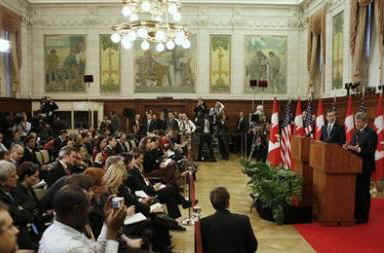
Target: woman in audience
[
  {"x": 28, "y": 173},
  {"x": 99, "y": 156},
  {"x": 166, "y": 194},
  {"x": 21, "y": 217},
  {"x": 114, "y": 180},
  {"x": 154, "y": 164}
]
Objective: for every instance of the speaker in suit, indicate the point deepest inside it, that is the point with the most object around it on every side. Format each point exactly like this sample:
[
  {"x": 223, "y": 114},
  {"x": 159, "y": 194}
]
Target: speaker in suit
[
  {"x": 333, "y": 133},
  {"x": 364, "y": 142},
  {"x": 226, "y": 232}
]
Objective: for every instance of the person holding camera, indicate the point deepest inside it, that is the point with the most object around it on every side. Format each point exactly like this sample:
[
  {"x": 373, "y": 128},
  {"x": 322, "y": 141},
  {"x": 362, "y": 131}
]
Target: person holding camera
[{"x": 66, "y": 234}]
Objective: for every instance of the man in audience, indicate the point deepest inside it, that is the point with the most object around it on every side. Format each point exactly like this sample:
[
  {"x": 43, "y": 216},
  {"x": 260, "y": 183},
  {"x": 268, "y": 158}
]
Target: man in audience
[
  {"x": 8, "y": 233},
  {"x": 29, "y": 151},
  {"x": 66, "y": 234},
  {"x": 17, "y": 152},
  {"x": 364, "y": 142},
  {"x": 224, "y": 231},
  {"x": 332, "y": 132},
  {"x": 61, "y": 167}
]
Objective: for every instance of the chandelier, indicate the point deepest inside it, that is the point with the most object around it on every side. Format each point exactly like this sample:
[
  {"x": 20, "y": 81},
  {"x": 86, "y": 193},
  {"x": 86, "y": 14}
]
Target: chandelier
[{"x": 153, "y": 22}]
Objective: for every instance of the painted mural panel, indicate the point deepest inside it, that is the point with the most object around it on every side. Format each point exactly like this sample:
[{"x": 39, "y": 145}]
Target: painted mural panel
[
  {"x": 169, "y": 71},
  {"x": 338, "y": 51},
  {"x": 65, "y": 61},
  {"x": 266, "y": 59},
  {"x": 109, "y": 65},
  {"x": 220, "y": 63}
]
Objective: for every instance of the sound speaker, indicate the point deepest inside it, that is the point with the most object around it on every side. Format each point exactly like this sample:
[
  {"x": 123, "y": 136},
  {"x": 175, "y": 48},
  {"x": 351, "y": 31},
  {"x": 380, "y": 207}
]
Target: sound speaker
[
  {"x": 253, "y": 83},
  {"x": 88, "y": 79}
]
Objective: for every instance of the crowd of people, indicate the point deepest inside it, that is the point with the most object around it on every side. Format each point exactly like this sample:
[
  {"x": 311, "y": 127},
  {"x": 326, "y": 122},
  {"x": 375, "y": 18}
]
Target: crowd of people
[
  {"x": 87, "y": 172},
  {"x": 61, "y": 184}
]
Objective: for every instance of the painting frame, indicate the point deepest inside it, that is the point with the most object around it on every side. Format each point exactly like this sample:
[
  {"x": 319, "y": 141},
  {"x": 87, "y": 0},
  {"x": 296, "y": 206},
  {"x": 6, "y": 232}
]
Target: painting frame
[
  {"x": 64, "y": 75},
  {"x": 337, "y": 73},
  {"x": 266, "y": 59},
  {"x": 171, "y": 71},
  {"x": 112, "y": 89},
  {"x": 220, "y": 47}
]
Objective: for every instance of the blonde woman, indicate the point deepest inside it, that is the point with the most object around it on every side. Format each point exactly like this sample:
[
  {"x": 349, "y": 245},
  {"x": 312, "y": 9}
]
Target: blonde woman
[{"x": 114, "y": 180}]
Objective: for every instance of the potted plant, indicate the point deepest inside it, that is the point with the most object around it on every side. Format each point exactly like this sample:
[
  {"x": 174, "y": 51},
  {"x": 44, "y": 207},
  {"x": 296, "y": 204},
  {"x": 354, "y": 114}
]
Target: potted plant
[{"x": 273, "y": 191}]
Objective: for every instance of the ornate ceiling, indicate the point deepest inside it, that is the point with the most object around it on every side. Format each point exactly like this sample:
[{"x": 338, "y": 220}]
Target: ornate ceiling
[{"x": 269, "y": 2}]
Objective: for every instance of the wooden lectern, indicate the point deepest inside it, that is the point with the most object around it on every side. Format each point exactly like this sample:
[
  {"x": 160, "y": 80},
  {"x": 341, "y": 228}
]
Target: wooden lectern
[
  {"x": 334, "y": 178},
  {"x": 300, "y": 156}
]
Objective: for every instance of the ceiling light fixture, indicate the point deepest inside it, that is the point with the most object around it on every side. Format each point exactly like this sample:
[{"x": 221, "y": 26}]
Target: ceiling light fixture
[{"x": 153, "y": 22}]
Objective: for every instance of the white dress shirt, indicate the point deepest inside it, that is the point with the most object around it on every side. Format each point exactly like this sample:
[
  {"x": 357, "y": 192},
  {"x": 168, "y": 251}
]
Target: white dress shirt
[{"x": 60, "y": 238}]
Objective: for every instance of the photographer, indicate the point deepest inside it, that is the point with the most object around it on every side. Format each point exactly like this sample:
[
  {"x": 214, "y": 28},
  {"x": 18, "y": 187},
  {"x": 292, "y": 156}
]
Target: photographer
[
  {"x": 47, "y": 107},
  {"x": 257, "y": 135}
]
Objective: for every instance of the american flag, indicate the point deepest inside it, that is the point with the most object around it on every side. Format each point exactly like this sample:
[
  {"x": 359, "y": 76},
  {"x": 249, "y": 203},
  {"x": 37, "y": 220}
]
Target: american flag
[
  {"x": 286, "y": 132},
  {"x": 308, "y": 120}
]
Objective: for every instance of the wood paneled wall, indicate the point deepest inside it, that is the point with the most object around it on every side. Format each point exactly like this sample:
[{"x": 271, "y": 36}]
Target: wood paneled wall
[
  {"x": 234, "y": 107},
  {"x": 15, "y": 105}
]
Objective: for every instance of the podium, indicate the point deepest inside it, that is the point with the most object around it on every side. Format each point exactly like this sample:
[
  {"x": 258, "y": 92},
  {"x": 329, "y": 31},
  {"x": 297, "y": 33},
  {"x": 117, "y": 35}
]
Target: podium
[
  {"x": 300, "y": 155},
  {"x": 334, "y": 179}
]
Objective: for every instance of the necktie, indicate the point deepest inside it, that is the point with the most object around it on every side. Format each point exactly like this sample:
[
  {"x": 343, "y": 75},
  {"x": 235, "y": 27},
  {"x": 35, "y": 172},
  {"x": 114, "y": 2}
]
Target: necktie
[{"x": 329, "y": 130}]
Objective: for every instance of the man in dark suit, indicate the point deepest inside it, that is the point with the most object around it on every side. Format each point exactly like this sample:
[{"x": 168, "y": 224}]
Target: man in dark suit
[
  {"x": 149, "y": 125},
  {"x": 364, "y": 143},
  {"x": 224, "y": 231},
  {"x": 332, "y": 132},
  {"x": 242, "y": 130},
  {"x": 61, "y": 167},
  {"x": 29, "y": 151}
]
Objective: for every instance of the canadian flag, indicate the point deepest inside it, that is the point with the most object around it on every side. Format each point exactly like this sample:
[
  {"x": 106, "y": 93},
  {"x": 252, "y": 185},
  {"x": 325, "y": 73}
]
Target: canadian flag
[
  {"x": 319, "y": 120},
  {"x": 274, "y": 149},
  {"x": 299, "y": 129},
  {"x": 379, "y": 154},
  {"x": 349, "y": 123}
]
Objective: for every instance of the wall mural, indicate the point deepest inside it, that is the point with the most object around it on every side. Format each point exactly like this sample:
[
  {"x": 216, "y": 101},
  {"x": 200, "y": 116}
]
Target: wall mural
[
  {"x": 220, "y": 63},
  {"x": 109, "y": 65},
  {"x": 338, "y": 51},
  {"x": 169, "y": 71},
  {"x": 65, "y": 61},
  {"x": 266, "y": 59}
]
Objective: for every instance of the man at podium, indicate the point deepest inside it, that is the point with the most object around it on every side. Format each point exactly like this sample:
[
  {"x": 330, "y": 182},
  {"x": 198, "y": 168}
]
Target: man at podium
[
  {"x": 332, "y": 132},
  {"x": 363, "y": 143}
]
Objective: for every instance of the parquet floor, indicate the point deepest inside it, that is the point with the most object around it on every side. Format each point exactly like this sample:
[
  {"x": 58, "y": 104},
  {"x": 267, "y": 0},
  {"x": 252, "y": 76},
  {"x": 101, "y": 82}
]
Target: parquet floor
[{"x": 272, "y": 238}]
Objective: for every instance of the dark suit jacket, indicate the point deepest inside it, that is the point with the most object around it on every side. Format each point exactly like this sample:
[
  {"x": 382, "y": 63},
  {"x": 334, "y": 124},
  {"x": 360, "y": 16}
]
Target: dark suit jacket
[
  {"x": 225, "y": 232},
  {"x": 29, "y": 156},
  {"x": 152, "y": 126},
  {"x": 337, "y": 134},
  {"x": 55, "y": 173},
  {"x": 136, "y": 182},
  {"x": 243, "y": 125},
  {"x": 367, "y": 141},
  {"x": 173, "y": 125}
]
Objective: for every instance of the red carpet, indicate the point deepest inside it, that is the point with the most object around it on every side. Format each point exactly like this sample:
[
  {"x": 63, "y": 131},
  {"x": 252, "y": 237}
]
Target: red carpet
[{"x": 365, "y": 238}]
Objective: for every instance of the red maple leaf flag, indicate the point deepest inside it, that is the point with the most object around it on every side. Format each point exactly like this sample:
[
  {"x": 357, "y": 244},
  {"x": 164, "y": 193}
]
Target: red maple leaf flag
[
  {"x": 319, "y": 119},
  {"x": 274, "y": 149},
  {"x": 349, "y": 122},
  {"x": 378, "y": 174},
  {"x": 298, "y": 128}
]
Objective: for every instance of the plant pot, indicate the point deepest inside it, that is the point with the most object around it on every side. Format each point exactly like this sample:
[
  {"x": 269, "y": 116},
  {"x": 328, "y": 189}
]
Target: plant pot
[{"x": 293, "y": 214}]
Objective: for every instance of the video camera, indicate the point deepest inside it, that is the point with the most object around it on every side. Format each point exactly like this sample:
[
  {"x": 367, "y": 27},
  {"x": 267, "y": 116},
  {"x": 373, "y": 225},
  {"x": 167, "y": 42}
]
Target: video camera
[{"x": 47, "y": 107}]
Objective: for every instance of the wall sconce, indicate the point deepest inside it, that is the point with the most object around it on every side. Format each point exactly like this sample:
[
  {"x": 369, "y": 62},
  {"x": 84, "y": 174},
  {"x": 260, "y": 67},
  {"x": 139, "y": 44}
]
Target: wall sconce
[{"x": 5, "y": 46}]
